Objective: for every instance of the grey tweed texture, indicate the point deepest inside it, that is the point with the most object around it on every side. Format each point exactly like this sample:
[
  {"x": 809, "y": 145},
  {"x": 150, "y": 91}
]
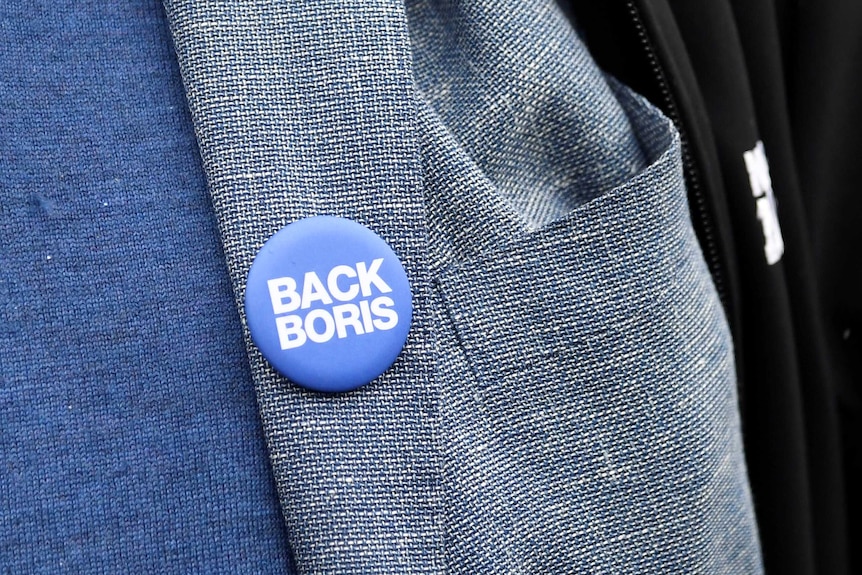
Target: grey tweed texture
[{"x": 566, "y": 401}]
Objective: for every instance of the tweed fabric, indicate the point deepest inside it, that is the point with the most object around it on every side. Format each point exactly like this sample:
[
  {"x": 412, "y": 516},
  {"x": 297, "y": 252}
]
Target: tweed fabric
[
  {"x": 301, "y": 111},
  {"x": 521, "y": 95},
  {"x": 588, "y": 387},
  {"x": 565, "y": 401}
]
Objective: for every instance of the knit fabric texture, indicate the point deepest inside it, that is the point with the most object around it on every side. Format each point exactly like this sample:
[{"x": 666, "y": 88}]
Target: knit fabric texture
[
  {"x": 129, "y": 434},
  {"x": 565, "y": 401}
]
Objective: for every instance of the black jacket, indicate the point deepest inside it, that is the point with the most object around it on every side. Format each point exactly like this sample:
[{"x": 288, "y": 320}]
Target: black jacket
[{"x": 732, "y": 74}]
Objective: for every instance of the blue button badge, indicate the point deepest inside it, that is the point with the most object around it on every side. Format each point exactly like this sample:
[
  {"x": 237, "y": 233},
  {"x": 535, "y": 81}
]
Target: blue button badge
[{"x": 328, "y": 303}]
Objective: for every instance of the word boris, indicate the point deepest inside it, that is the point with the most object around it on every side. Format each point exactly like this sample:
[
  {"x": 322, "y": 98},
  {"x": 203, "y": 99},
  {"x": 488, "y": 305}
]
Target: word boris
[{"x": 360, "y": 313}]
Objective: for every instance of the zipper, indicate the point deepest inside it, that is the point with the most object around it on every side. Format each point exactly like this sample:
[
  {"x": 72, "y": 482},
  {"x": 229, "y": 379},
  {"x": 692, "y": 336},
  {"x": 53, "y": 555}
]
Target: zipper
[{"x": 709, "y": 245}]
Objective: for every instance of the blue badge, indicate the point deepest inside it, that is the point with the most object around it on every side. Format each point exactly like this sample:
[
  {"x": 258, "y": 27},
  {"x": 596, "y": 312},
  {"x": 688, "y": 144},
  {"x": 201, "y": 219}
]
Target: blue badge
[{"x": 328, "y": 303}]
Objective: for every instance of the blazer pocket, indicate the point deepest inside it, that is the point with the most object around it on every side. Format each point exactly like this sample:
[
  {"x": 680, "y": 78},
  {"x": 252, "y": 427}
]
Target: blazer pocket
[
  {"x": 603, "y": 377},
  {"x": 622, "y": 270}
]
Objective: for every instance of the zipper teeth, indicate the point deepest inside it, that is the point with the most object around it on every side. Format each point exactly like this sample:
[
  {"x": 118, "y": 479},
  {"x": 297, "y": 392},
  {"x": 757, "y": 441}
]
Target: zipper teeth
[{"x": 710, "y": 248}]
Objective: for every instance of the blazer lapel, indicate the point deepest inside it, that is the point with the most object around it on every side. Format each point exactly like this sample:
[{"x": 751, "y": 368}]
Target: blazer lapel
[{"x": 299, "y": 111}]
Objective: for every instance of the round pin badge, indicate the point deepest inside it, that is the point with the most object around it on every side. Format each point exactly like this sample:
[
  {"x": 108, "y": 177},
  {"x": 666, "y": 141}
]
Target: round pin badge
[{"x": 328, "y": 303}]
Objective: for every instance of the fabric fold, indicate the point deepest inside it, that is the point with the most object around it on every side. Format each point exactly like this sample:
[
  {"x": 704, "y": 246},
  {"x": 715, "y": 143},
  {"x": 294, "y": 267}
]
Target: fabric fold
[
  {"x": 299, "y": 111},
  {"x": 566, "y": 398}
]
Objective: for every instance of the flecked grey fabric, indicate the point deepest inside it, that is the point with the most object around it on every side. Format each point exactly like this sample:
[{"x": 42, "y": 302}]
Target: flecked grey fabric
[
  {"x": 588, "y": 386},
  {"x": 565, "y": 401},
  {"x": 301, "y": 111}
]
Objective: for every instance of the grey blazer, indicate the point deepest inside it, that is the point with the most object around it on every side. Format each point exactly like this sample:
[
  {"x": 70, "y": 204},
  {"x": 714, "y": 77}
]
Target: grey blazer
[{"x": 565, "y": 401}]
